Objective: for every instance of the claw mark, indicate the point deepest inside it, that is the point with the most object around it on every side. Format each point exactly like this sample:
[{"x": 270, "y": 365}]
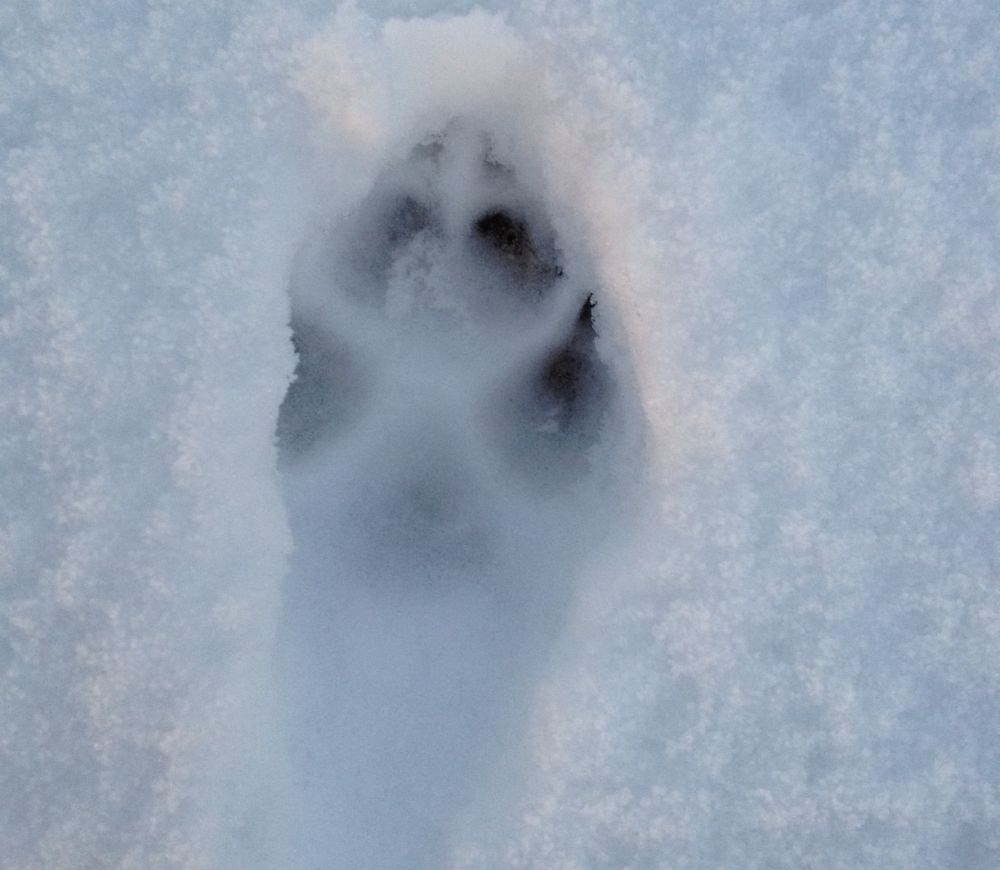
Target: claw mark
[{"x": 570, "y": 376}]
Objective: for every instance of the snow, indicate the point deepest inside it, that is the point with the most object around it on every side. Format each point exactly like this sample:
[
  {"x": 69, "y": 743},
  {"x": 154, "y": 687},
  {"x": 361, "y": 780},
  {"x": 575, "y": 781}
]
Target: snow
[{"x": 761, "y": 577}]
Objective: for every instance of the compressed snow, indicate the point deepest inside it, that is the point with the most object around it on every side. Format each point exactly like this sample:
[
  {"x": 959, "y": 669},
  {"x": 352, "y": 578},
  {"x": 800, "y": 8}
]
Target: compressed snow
[{"x": 769, "y": 632}]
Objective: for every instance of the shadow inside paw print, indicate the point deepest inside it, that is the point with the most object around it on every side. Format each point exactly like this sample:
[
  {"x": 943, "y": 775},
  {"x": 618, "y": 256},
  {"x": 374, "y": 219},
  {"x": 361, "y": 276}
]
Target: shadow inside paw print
[
  {"x": 509, "y": 239},
  {"x": 555, "y": 407},
  {"x": 327, "y": 394}
]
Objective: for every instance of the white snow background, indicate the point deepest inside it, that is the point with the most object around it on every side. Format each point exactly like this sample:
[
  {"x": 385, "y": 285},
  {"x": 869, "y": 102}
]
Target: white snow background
[{"x": 785, "y": 655}]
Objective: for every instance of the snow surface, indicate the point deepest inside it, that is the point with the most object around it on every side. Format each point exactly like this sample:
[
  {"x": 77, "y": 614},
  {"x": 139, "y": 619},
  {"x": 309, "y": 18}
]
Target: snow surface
[{"x": 742, "y": 610}]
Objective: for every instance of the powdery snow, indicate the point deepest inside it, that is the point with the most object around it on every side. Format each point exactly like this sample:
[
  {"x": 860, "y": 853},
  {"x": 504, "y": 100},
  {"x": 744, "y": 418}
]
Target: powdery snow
[{"x": 780, "y": 653}]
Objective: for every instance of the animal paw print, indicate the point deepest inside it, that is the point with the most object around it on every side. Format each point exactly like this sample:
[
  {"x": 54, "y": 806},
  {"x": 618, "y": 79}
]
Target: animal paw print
[
  {"x": 449, "y": 275},
  {"x": 446, "y": 416}
]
